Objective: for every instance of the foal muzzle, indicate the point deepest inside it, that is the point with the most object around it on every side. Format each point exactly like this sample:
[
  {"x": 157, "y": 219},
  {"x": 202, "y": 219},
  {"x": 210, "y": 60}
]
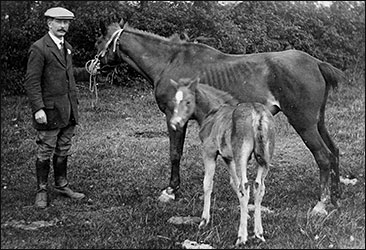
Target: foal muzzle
[{"x": 176, "y": 123}]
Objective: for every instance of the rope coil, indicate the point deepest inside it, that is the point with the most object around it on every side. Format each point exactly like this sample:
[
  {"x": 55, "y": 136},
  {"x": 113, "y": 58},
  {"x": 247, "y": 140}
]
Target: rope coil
[{"x": 92, "y": 67}]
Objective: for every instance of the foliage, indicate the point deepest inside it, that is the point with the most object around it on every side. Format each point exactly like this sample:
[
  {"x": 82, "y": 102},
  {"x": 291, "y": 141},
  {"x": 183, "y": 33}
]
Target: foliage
[{"x": 335, "y": 34}]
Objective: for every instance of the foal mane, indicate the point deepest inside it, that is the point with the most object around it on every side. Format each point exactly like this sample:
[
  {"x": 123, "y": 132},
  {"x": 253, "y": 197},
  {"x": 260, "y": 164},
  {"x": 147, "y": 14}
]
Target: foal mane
[{"x": 215, "y": 96}]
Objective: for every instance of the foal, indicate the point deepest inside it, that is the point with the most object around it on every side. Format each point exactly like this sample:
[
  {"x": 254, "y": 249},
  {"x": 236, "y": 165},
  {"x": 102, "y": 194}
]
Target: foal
[{"x": 231, "y": 130}]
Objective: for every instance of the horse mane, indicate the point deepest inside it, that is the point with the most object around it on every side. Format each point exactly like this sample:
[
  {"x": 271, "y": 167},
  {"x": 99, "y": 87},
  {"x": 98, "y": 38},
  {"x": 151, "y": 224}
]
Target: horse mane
[{"x": 173, "y": 38}]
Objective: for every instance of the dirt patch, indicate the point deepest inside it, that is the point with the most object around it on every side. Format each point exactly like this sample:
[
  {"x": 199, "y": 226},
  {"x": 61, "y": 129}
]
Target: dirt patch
[{"x": 149, "y": 134}]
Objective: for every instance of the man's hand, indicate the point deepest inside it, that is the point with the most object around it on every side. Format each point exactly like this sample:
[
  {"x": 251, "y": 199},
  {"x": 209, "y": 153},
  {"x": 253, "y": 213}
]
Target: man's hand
[{"x": 40, "y": 116}]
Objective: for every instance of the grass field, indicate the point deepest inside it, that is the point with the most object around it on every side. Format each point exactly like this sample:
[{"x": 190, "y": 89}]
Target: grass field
[{"x": 121, "y": 161}]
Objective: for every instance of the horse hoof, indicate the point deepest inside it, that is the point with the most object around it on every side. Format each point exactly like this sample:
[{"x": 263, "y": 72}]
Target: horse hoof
[
  {"x": 319, "y": 209},
  {"x": 166, "y": 196}
]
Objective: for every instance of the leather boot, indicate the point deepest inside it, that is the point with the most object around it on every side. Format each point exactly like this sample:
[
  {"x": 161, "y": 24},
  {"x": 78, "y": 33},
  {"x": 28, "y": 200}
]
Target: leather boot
[
  {"x": 61, "y": 183},
  {"x": 42, "y": 171}
]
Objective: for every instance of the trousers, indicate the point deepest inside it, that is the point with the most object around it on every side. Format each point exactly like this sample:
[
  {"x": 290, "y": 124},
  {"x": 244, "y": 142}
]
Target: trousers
[{"x": 57, "y": 141}]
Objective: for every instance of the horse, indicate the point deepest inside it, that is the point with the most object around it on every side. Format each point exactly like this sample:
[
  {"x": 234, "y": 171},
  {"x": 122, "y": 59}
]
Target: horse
[
  {"x": 290, "y": 81},
  {"x": 235, "y": 131}
]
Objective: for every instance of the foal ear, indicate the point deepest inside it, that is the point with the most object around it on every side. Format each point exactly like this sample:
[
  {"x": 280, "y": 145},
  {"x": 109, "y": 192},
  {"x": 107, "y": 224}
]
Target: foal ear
[
  {"x": 121, "y": 23},
  {"x": 193, "y": 84},
  {"x": 197, "y": 79},
  {"x": 174, "y": 83}
]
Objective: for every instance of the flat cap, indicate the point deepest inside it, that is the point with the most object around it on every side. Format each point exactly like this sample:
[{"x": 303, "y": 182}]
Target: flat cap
[{"x": 59, "y": 13}]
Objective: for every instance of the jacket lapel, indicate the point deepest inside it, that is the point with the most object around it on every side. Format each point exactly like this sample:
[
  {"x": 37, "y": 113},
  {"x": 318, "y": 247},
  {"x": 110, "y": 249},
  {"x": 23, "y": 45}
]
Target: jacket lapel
[
  {"x": 68, "y": 50},
  {"x": 54, "y": 49}
]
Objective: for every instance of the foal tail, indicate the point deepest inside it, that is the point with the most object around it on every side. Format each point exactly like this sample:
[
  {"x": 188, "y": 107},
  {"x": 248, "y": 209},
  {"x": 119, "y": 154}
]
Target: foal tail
[{"x": 263, "y": 127}]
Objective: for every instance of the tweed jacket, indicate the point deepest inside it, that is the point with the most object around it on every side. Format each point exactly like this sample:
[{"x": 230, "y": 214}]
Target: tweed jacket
[{"x": 50, "y": 84}]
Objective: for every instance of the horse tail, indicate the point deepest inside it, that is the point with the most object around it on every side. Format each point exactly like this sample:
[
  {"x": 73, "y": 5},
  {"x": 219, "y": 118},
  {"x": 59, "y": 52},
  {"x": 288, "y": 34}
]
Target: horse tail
[
  {"x": 331, "y": 74},
  {"x": 262, "y": 121}
]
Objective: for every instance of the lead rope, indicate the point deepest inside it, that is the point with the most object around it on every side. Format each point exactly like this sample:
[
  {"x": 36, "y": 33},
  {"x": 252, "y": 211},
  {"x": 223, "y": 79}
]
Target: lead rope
[{"x": 92, "y": 67}]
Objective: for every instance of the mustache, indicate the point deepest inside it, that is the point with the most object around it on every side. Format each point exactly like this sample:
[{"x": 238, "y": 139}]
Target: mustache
[{"x": 62, "y": 30}]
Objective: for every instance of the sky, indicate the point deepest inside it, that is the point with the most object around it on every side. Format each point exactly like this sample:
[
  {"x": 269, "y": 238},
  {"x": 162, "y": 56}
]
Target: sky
[{"x": 326, "y": 3}]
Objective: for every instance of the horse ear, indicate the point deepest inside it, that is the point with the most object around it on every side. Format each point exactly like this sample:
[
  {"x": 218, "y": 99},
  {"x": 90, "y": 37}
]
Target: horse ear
[{"x": 103, "y": 28}]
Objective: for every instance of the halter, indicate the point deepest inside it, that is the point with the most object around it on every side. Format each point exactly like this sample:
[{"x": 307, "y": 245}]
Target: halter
[
  {"x": 115, "y": 36},
  {"x": 93, "y": 66}
]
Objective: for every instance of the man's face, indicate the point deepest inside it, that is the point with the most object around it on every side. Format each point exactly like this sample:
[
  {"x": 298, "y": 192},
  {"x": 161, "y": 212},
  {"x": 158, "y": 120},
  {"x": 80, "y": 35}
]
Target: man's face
[{"x": 58, "y": 27}]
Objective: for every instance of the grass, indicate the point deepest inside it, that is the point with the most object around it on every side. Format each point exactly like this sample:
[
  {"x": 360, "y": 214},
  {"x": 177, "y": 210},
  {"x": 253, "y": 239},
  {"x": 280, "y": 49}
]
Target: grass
[{"x": 121, "y": 161}]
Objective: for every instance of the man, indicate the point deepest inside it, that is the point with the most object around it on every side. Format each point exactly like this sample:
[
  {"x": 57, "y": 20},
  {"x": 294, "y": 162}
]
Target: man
[{"x": 52, "y": 92}]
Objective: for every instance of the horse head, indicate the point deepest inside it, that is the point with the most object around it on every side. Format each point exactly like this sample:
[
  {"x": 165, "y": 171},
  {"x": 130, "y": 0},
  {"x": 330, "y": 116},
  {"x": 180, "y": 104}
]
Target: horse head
[
  {"x": 184, "y": 101},
  {"x": 112, "y": 52},
  {"x": 106, "y": 45}
]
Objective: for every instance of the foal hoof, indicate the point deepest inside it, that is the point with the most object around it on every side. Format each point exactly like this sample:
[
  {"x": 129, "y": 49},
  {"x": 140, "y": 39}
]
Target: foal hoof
[
  {"x": 202, "y": 224},
  {"x": 260, "y": 237},
  {"x": 240, "y": 242},
  {"x": 167, "y": 195}
]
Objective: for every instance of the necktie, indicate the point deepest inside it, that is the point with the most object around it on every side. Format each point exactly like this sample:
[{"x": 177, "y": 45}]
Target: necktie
[{"x": 62, "y": 50}]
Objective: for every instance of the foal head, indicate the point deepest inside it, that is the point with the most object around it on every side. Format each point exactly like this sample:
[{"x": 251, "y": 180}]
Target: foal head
[{"x": 184, "y": 101}]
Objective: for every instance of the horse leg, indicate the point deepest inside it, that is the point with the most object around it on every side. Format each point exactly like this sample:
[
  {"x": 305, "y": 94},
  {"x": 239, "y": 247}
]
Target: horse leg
[
  {"x": 324, "y": 158},
  {"x": 259, "y": 190},
  {"x": 334, "y": 174},
  {"x": 210, "y": 165},
  {"x": 176, "y": 142}
]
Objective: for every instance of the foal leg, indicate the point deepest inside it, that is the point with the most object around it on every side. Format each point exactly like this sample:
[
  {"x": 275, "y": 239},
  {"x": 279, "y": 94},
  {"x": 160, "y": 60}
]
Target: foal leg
[
  {"x": 259, "y": 190},
  {"x": 238, "y": 173},
  {"x": 324, "y": 158},
  {"x": 210, "y": 165}
]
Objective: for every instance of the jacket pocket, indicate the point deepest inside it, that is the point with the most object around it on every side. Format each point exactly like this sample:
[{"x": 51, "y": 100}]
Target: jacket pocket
[
  {"x": 52, "y": 113},
  {"x": 49, "y": 104}
]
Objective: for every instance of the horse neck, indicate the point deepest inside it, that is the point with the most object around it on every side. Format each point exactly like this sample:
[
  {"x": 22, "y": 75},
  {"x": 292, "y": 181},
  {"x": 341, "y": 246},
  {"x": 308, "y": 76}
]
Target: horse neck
[{"x": 148, "y": 53}]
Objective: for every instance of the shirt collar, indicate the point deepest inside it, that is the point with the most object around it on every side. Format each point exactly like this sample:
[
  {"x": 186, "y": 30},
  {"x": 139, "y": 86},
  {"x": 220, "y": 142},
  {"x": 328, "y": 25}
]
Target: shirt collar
[{"x": 56, "y": 40}]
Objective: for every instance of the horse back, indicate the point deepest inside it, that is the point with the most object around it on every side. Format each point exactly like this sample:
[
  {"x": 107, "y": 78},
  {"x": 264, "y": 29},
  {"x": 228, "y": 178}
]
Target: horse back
[{"x": 290, "y": 80}]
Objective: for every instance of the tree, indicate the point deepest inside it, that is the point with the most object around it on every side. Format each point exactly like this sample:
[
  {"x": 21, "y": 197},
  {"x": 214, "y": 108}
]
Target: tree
[{"x": 335, "y": 34}]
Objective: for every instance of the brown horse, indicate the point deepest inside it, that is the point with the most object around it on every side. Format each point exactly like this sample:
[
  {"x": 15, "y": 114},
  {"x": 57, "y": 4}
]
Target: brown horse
[
  {"x": 290, "y": 81},
  {"x": 233, "y": 131}
]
